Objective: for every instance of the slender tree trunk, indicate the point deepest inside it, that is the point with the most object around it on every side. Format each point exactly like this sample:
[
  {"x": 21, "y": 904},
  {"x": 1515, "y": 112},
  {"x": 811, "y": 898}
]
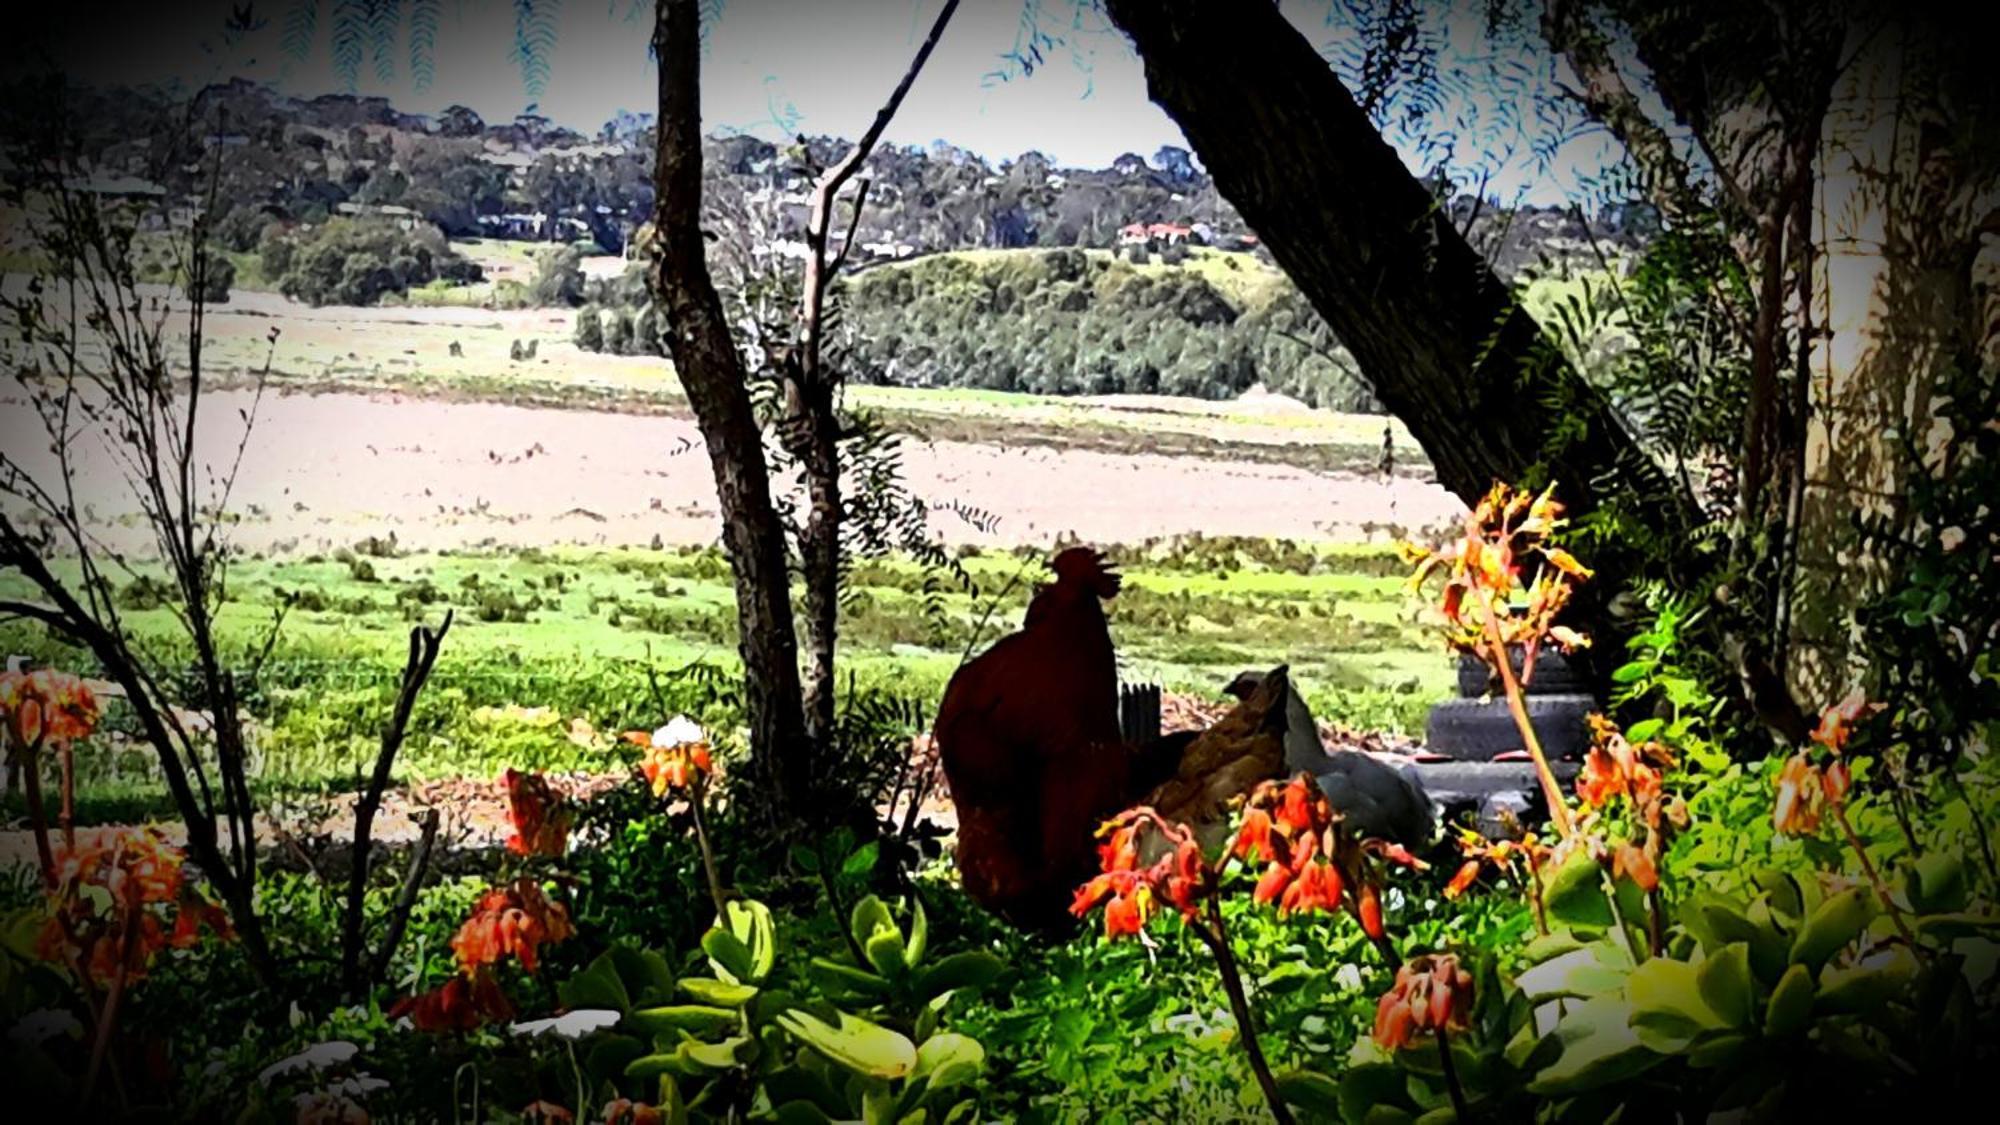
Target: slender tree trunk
[
  {"x": 711, "y": 371},
  {"x": 1436, "y": 334}
]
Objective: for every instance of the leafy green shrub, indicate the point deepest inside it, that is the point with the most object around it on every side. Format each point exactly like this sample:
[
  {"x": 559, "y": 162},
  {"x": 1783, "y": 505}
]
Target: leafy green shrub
[
  {"x": 348, "y": 261},
  {"x": 558, "y": 281},
  {"x": 618, "y": 333}
]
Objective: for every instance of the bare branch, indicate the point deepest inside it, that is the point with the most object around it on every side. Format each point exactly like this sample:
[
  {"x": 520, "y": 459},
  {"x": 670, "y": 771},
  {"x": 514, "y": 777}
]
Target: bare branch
[
  {"x": 424, "y": 646},
  {"x": 406, "y": 898},
  {"x": 1605, "y": 95}
]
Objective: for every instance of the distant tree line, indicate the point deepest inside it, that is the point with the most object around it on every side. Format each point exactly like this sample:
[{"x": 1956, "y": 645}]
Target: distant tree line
[{"x": 1059, "y": 322}]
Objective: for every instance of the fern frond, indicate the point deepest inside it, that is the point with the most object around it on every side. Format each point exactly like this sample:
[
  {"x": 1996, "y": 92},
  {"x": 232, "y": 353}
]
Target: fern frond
[
  {"x": 423, "y": 42},
  {"x": 535, "y": 31}
]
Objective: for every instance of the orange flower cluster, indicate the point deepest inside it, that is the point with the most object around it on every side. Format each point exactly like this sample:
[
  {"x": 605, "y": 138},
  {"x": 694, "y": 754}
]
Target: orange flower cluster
[
  {"x": 1431, "y": 994},
  {"x": 1501, "y": 855},
  {"x": 1806, "y": 789},
  {"x": 1508, "y": 528},
  {"x": 46, "y": 706},
  {"x": 676, "y": 755},
  {"x": 545, "y": 1112},
  {"x": 514, "y": 921},
  {"x": 1614, "y": 770},
  {"x": 510, "y": 921},
  {"x": 540, "y": 816},
  {"x": 1180, "y": 877},
  {"x": 1293, "y": 828},
  {"x": 462, "y": 1003},
  {"x": 113, "y": 880}
]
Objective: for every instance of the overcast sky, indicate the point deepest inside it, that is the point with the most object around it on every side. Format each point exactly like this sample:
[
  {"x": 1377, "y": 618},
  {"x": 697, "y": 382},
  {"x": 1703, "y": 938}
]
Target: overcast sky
[{"x": 774, "y": 67}]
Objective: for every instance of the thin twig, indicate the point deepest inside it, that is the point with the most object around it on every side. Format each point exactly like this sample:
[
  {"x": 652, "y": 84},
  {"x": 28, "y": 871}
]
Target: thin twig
[
  {"x": 424, "y": 646},
  {"x": 1451, "y": 1082},
  {"x": 406, "y": 899},
  {"x": 1215, "y": 935}
]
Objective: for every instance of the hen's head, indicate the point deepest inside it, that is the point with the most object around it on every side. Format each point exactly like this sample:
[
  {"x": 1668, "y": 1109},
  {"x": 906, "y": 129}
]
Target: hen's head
[{"x": 1085, "y": 568}]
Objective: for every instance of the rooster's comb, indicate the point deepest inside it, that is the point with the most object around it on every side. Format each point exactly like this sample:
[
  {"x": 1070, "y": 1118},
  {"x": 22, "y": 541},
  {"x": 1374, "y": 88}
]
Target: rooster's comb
[{"x": 1085, "y": 566}]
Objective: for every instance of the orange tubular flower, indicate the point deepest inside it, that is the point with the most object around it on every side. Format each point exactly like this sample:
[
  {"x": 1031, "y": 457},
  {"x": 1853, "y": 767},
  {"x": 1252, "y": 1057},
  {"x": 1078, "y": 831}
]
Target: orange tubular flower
[
  {"x": 624, "y": 1111},
  {"x": 545, "y": 1112},
  {"x": 1276, "y": 878},
  {"x": 1369, "y": 908},
  {"x": 1467, "y": 875},
  {"x": 1636, "y": 864},
  {"x": 462, "y": 1003},
  {"x": 1796, "y": 811},
  {"x": 107, "y": 876},
  {"x": 1614, "y": 767},
  {"x": 1836, "y": 723},
  {"x": 1484, "y": 572},
  {"x": 1318, "y": 886},
  {"x": 541, "y": 818},
  {"x": 1432, "y": 993},
  {"x": 1254, "y": 836},
  {"x": 676, "y": 755}
]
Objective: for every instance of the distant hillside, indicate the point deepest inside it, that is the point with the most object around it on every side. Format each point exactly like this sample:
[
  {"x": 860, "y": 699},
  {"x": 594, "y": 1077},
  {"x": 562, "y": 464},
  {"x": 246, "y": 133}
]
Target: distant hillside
[
  {"x": 965, "y": 273},
  {"x": 293, "y": 160}
]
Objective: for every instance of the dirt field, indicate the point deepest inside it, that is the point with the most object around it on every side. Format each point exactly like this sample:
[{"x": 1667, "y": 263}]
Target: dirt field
[
  {"x": 324, "y": 470},
  {"x": 370, "y": 425}
]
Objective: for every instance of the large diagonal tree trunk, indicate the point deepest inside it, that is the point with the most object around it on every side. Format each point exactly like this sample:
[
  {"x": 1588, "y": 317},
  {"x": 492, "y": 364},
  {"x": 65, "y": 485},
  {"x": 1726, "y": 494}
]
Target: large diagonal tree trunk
[
  {"x": 1436, "y": 333},
  {"x": 711, "y": 370}
]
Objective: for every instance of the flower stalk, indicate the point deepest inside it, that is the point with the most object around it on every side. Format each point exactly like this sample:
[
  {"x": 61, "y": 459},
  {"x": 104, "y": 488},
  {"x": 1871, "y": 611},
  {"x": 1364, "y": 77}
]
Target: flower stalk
[{"x": 1215, "y": 935}]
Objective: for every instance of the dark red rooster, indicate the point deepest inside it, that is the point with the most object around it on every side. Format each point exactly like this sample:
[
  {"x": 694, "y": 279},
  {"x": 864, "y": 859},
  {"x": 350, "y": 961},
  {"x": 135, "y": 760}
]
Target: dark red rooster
[{"x": 1029, "y": 737}]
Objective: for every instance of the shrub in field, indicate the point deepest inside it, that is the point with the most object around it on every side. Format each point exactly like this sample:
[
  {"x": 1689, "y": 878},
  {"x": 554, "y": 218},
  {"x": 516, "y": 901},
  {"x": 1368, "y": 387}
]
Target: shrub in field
[
  {"x": 588, "y": 334},
  {"x": 357, "y": 262}
]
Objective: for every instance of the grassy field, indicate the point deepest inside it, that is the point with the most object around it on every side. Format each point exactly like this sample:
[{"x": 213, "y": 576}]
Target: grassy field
[{"x": 576, "y": 631}]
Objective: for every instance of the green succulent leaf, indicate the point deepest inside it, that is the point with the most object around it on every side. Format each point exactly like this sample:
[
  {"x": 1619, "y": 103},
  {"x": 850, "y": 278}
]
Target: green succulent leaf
[
  {"x": 843, "y": 981},
  {"x": 950, "y": 1059},
  {"x": 796, "y": 1084},
  {"x": 1668, "y": 1010},
  {"x": 749, "y": 923},
  {"x": 1319, "y": 1095},
  {"x": 1599, "y": 1047},
  {"x": 862, "y": 1047},
  {"x": 1575, "y": 894},
  {"x": 886, "y": 952},
  {"x": 1936, "y": 883},
  {"x": 1834, "y": 923},
  {"x": 1727, "y": 986},
  {"x": 971, "y": 969},
  {"x": 693, "y": 1058},
  {"x": 920, "y": 935},
  {"x": 1791, "y": 1003},
  {"x": 1866, "y": 986},
  {"x": 696, "y": 1019},
  {"x": 1590, "y": 970},
  {"x": 722, "y": 994}
]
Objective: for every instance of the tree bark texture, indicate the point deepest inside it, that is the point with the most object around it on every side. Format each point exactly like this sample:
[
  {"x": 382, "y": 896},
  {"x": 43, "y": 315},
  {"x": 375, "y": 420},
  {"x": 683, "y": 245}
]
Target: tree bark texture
[{"x": 711, "y": 371}]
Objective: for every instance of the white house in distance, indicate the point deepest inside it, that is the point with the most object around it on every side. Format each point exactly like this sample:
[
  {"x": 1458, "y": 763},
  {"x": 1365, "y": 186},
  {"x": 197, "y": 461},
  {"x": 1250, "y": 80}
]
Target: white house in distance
[{"x": 404, "y": 218}]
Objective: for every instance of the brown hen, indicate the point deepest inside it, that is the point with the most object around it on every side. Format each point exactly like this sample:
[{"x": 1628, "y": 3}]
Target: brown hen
[{"x": 1243, "y": 748}]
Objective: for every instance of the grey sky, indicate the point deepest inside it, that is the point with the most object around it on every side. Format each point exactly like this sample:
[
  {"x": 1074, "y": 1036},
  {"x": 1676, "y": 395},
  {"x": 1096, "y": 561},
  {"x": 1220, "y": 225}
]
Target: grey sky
[{"x": 774, "y": 66}]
